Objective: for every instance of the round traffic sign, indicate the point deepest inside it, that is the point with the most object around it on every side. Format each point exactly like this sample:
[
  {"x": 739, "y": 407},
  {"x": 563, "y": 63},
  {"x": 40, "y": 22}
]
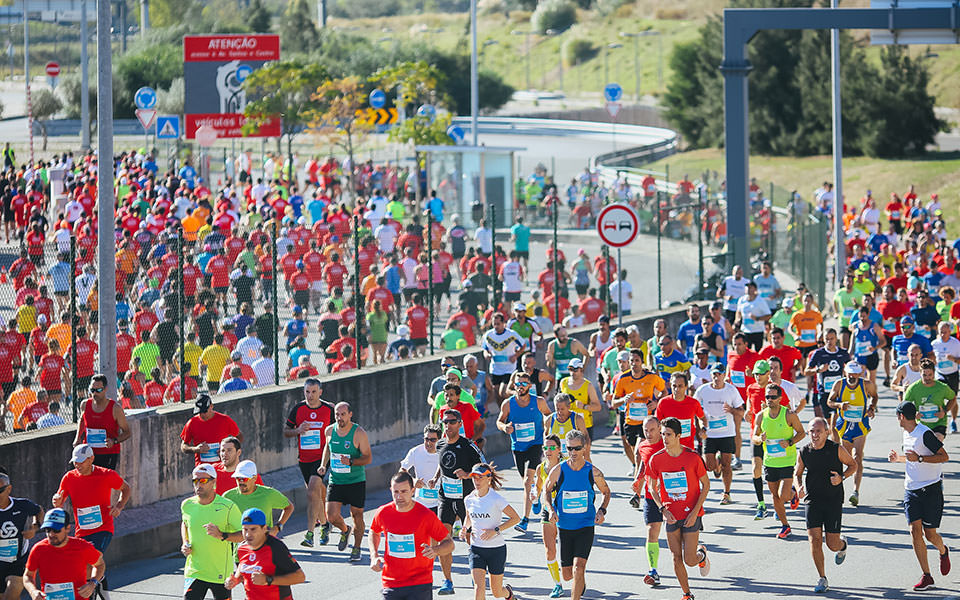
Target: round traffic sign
[
  {"x": 618, "y": 225},
  {"x": 145, "y": 98},
  {"x": 612, "y": 92},
  {"x": 378, "y": 99},
  {"x": 455, "y": 133},
  {"x": 53, "y": 69},
  {"x": 206, "y": 136},
  {"x": 428, "y": 112}
]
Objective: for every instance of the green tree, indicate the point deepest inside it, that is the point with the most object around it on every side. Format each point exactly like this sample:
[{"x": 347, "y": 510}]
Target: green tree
[
  {"x": 164, "y": 13},
  {"x": 258, "y": 17},
  {"x": 45, "y": 105},
  {"x": 155, "y": 66},
  {"x": 298, "y": 21},
  {"x": 284, "y": 89},
  {"x": 337, "y": 117}
]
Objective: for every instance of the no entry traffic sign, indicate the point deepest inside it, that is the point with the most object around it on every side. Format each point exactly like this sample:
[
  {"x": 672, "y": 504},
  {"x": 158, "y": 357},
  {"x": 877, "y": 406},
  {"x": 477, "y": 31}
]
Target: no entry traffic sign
[
  {"x": 53, "y": 69},
  {"x": 617, "y": 225}
]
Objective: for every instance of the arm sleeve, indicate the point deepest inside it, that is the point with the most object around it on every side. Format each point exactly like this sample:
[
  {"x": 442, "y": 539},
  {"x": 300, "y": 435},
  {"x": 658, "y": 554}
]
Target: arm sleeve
[
  {"x": 233, "y": 519},
  {"x": 931, "y": 441},
  {"x": 437, "y": 531},
  {"x": 282, "y": 559},
  {"x": 279, "y": 499}
]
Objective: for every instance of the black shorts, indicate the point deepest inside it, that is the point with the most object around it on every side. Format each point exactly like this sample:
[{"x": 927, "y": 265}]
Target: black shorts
[
  {"x": 213, "y": 386},
  {"x": 582, "y": 289},
  {"x": 806, "y": 351},
  {"x": 679, "y": 524},
  {"x": 952, "y": 380},
  {"x": 83, "y": 383},
  {"x": 354, "y": 494},
  {"x": 62, "y": 294},
  {"x": 195, "y": 589},
  {"x": 632, "y": 433},
  {"x": 450, "y": 509},
  {"x": 869, "y": 362},
  {"x": 774, "y": 474},
  {"x": 528, "y": 459},
  {"x": 651, "y": 512},
  {"x": 524, "y": 254},
  {"x": 511, "y": 296},
  {"x": 491, "y": 560},
  {"x": 757, "y": 450},
  {"x": 724, "y": 445},
  {"x": 14, "y": 569},
  {"x": 409, "y": 592},
  {"x": 889, "y": 339},
  {"x": 494, "y": 379},
  {"x": 166, "y": 354},
  {"x": 941, "y": 429},
  {"x": 408, "y": 293},
  {"x": 419, "y": 341},
  {"x": 820, "y": 400},
  {"x": 924, "y": 505},
  {"x": 107, "y": 461},
  {"x": 575, "y": 543},
  {"x": 302, "y": 298},
  {"x": 755, "y": 340},
  {"x": 309, "y": 469},
  {"x": 221, "y": 289},
  {"x": 826, "y": 514}
]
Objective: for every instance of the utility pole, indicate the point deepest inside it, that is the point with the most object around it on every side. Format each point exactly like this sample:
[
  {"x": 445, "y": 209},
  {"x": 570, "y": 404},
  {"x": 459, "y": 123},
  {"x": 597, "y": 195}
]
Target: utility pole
[
  {"x": 106, "y": 233},
  {"x": 84, "y": 79}
]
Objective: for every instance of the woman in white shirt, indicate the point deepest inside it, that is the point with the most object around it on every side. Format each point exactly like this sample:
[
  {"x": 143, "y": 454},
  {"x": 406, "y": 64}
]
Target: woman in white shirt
[{"x": 482, "y": 530}]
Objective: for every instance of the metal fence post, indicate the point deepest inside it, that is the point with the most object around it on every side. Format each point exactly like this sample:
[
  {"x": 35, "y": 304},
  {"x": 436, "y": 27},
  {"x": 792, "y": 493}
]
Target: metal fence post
[
  {"x": 181, "y": 301},
  {"x": 659, "y": 261},
  {"x": 276, "y": 339},
  {"x": 605, "y": 292},
  {"x": 357, "y": 305},
  {"x": 493, "y": 256},
  {"x": 699, "y": 225},
  {"x": 430, "y": 273},
  {"x": 73, "y": 328},
  {"x": 556, "y": 273}
]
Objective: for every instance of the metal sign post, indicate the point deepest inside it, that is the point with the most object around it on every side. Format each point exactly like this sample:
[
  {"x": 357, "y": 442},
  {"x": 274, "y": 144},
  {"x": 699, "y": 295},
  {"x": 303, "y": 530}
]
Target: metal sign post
[{"x": 618, "y": 225}]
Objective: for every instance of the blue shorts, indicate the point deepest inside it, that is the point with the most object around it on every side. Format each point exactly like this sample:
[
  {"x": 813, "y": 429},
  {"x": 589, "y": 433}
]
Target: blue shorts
[
  {"x": 100, "y": 540},
  {"x": 851, "y": 430},
  {"x": 491, "y": 560},
  {"x": 924, "y": 505},
  {"x": 651, "y": 512}
]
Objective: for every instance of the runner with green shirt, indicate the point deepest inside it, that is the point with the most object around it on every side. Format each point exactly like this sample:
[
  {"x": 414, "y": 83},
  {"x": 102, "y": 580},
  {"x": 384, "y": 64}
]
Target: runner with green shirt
[
  {"x": 440, "y": 399},
  {"x": 781, "y": 319},
  {"x": 248, "y": 494},
  {"x": 209, "y": 554},
  {"x": 933, "y": 399},
  {"x": 147, "y": 352},
  {"x": 346, "y": 455},
  {"x": 562, "y": 350},
  {"x": 846, "y": 302}
]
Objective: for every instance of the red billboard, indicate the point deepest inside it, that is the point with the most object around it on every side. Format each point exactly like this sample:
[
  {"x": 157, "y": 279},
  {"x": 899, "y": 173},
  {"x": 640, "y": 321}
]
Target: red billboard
[
  {"x": 229, "y": 125},
  {"x": 227, "y": 47}
]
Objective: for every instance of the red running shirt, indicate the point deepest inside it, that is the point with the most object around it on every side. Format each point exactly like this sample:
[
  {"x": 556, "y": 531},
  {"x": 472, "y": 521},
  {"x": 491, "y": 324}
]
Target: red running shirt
[{"x": 402, "y": 535}]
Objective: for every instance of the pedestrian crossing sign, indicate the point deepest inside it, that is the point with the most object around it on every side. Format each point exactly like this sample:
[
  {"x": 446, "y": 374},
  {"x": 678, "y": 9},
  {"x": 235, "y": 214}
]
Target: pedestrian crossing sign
[{"x": 168, "y": 127}]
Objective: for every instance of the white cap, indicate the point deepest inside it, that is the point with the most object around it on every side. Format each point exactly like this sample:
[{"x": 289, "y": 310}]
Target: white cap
[
  {"x": 246, "y": 469},
  {"x": 204, "y": 469},
  {"x": 403, "y": 331},
  {"x": 81, "y": 453},
  {"x": 575, "y": 363},
  {"x": 853, "y": 368},
  {"x": 519, "y": 306}
]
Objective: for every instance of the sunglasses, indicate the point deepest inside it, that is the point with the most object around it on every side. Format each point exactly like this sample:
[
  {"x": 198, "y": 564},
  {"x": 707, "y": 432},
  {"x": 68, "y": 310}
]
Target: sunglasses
[
  {"x": 449, "y": 422},
  {"x": 430, "y": 439},
  {"x": 202, "y": 480},
  {"x": 551, "y": 448},
  {"x": 575, "y": 448},
  {"x": 4, "y": 488},
  {"x": 522, "y": 384},
  {"x": 97, "y": 390},
  {"x": 772, "y": 397},
  {"x": 244, "y": 479}
]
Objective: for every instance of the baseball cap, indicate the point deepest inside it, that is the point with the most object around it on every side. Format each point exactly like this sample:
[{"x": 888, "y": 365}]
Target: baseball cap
[
  {"x": 623, "y": 355},
  {"x": 907, "y": 409},
  {"x": 246, "y": 469},
  {"x": 403, "y": 331},
  {"x": 718, "y": 368},
  {"x": 479, "y": 470},
  {"x": 253, "y": 516},
  {"x": 787, "y": 303},
  {"x": 907, "y": 321},
  {"x": 853, "y": 368},
  {"x": 519, "y": 306},
  {"x": 576, "y": 363},
  {"x": 56, "y": 518},
  {"x": 204, "y": 470},
  {"x": 864, "y": 267},
  {"x": 202, "y": 404},
  {"x": 81, "y": 453},
  {"x": 761, "y": 367},
  {"x": 297, "y": 309}
]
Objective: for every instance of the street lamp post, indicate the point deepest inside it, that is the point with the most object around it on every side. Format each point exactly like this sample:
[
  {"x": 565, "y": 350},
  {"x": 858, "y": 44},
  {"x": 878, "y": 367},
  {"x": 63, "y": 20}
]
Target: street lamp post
[
  {"x": 551, "y": 33},
  {"x": 527, "y": 34},
  {"x": 606, "y": 60},
  {"x": 636, "y": 56},
  {"x": 474, "y": 86}
]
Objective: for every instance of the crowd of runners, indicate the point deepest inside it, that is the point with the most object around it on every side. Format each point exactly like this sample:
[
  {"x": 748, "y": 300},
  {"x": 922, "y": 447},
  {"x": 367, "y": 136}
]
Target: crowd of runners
[{"x": 760, "y": 353}]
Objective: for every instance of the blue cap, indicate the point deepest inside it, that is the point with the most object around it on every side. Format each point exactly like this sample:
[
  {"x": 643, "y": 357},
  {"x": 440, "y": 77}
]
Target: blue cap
[
  {"x": 253, "y": 516},
  {"x": 907, "y": 321},
  {"x": 55, "y": 519}
]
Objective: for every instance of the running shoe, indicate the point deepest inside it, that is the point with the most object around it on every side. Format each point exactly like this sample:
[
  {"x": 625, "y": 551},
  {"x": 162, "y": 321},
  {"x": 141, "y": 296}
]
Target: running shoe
[
  {"x": 784, "y": 532},
  {"x": 726, "y": 499},
  {"x": 736, "y": 465},
  {"x": 446, "y": 589},
  {"x": 635, "y": 501},
  {"x": 705, "y": 562},
  {"x": 953, "y": 426},
  {"x": 822, "y": 586},
  {"x": 557, "y": 591},
  {"x": 522, "y": 525},
  {"x": 842, "y": 554},
  {"x": 886, "y": 381},
  {"x": 537, "y": 507},
  {"x": 687, "y": 596},
  {"x": 324, "y": 534},
  {"x": 925, "y": 582},
  {"x": 355, "y": 554},
  {"x": 509, "y": 591},
  {"x": 652, "y": 578},
  {"x": 855, "y": 498},
  {"x": 795, "y": 501},
  {"x": 456, "y": 529},
  {"x": 307, "y": 540},
  {"x": 761, "y": 512},
  {"x": 945, "y": 563},
  {"x": 344, "y": 538}
]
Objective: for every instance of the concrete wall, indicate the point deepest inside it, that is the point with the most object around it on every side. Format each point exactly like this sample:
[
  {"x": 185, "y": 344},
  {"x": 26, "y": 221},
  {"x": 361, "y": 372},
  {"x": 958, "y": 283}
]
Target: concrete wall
[{"x": 389, "y": 401}]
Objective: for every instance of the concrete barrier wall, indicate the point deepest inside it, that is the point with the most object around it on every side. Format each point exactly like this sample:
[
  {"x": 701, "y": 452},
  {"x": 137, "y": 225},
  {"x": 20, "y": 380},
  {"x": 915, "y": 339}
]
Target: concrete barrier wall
[{"x": 389, "y": 401}]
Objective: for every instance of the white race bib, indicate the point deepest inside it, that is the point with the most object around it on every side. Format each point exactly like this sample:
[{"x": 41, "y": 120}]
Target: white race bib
[
  {"x": 828, "y": 383},
  {"x": 738, "y": 379},
  {"x": 526, "y": 432},
  {"x": 340, "y": 463},
  {"x": 854, "y": 414},
  {"x": 638, "y": 411},
  {"x": 848, "y": 312},
  {"x": 574, "y": 502},
  {"x": 212, "y": 455},
  {"x": 9, "y": 550},
  {"x": 675, "y": 484},
  {"x": 452, "y": 488},
  {"x": 311, "y": 439},
  {"x": 97, "y": 438},
  {"x": 717, "y": 423},
  {"x": 863, "y": 348},
  {"x": 889, "y": 326},
  {"x": 945, "y": 364},
  {"x": 685, "y": 427},
  {"x": 59, "y": 591},
  {"x": 401, "y": 545},
  {"x": 428, "y": 494},
  {"x": 808, "y": 336},
  {"x": 928, "y": 412},
  {"x": 774, "y": 448},
  {"x": 89, "y": 517}
]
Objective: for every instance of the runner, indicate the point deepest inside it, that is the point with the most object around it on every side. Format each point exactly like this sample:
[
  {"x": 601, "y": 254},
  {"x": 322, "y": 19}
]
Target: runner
[
  {"x": 826, "y": 465},
  {"x": 849, "y": 398},
  {"x": 752, "y": 314},
  {"x": 209, "y": 557},
  {"x": 934, "y": 399},
  {"x": 482, "y": 530},
  {"x": 230, "y": 452},
  {"x": 638, "y": 392},
  {"x": 521, "y": 417},
  {"x": 826, "y": 364},
  {"x": 652, "y": 515},
  {"x": 202, "y": 434},
  {"x": 563, "y": 420},
  {"x": 103, "y": 425},
  {"x": 946, "y": 348},
  {"x": 20, "y": 520},
  {"x": 552, "y": 457},
  {"x": 680, "y": 483},
  {"x": 263, "y": 560},
  {"x": 346, "y": 456},
  {"x": 684, "y": 408},
  {"x": 908, "y": 373},
  {"x": 923, "y": 455},
  {"x": 502, "y": 347},
  {"x": 423, "y": 459},
  {"x": 571, "y": 486},
  {"x": 251, "y": 494},
  {"x": 584, "y": 398},
  {"x": 414, "y": 538},
  {"x": 308, "y": 421},
  {"x": 776, "y": 432},
  {"x": 740, "y": 364},
  {"x": 562, "y": 350},
  {"x": 865, "y": 339},
  {"x": 721, "y": 404},
  {"x": 458, "y": 455},
  {"x": 62, "y": 566}
]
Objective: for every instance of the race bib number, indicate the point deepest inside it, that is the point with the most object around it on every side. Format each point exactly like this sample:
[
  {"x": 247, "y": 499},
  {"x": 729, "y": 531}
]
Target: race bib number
[
  {"x": 9, "y": 550},
  {"x": 889, "y": 326},
  {"x": 738, "y": 379},
  {"x": 685, "y": 427},
  {"x": 340, "y": 463},
  {"x": 928, "y": 412},
  {"x": 525, "y": 432},
  {"x": 829, "y": 382},
  {"x": 774, "y": 448},
  {"x": 853, "y": 414},
  {"x": 863, "y": 348},
  {"x": 313, "y": 438},
  {"x": 717, "y": 423},
  {"x": 97, "y": 438},
  {"x": 452, "y": 488},
  {"x": 638, "y": 411},
  {"x": 428, "y": 494},
  {"x": 499, "y": 358},
  {"x": 675, "y": 484},
  {"x": 945, "y": 365},
  {"x": 748, "y": 323},
  {"x": 401, "y": 545},
  {"x": 89, "y": 517},
  {"x": 574, "y": 502},
  {"x": 808, "y": 336},
  {"x": 59, "y": 591},
  {"x": 902, "y": 360},
  {"x": 848, "y": 312},
  {"x": 212, "y": 455}
]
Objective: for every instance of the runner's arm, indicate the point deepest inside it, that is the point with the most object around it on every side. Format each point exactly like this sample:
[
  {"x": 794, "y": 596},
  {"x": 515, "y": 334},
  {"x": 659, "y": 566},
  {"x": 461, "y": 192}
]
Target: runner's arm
[
  {"x": 123, "y": 432},
  {"x": 549, "y": 380},
  {"x": 362, "y": 442},
  {"x": 848, "y": 461}
]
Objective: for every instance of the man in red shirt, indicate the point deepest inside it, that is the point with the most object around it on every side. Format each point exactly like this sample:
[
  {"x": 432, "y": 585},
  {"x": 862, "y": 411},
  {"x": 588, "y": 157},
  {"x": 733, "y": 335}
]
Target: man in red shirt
[
  {"x": 680, "y": 480},
  {"x": 219, "y": 270},
  {"x": 86, "y": 352},
  {"x": 645, "y": 450},
  {"x": 313, "y": 265},
  {"x": 740, "y": 363},
  {"x": 264, "y": 564},
  {"x": 61, "y": 562},
  {"x": 20, "y": 269},
  {"x": 125, "y": 346},
  {"x": 202, "y": 434},
  {"x": 473, "y": 423},
  {"x": 591, "y": 307},
  {"x": 414, "y": 537},
  {"x": 684, "y": 408},
  {"x": 465, "y": 323},
  {"x": 334, "y": 273},
  {"x": 790, "y": 357},
  {"x": 418, "y": 317}
]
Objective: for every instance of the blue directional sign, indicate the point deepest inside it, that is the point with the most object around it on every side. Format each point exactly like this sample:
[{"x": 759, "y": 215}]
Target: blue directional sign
[
  {"x": 145, "y": 98},
  {"x": 378, "y": 99},
  {"x": 612, "y": 92},
  {"x": 428, "y": 112},
  {"x": 168, "y": 127},
  {"x": 455, "y": 133}
]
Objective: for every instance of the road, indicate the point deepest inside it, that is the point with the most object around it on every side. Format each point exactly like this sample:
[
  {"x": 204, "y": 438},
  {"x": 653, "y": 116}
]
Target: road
[{"x": 746, "y": 556}]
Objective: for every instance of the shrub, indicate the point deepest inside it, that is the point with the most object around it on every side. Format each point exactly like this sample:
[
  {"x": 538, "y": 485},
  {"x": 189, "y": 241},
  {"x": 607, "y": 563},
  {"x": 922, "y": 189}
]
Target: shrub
[
  {"x": 558, "y": 15},
  {"x": 577, "y": 50}
]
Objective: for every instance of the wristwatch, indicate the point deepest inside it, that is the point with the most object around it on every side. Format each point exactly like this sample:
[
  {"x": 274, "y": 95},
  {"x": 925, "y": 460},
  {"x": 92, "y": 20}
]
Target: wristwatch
[
  {"x": 919, "y": 459},
  {"x": 269, "y": 579},
  {"x": 497, "y": 529}
]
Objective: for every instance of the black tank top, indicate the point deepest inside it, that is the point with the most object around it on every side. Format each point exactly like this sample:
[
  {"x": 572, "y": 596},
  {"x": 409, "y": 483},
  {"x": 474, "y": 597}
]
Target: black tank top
[{"x": 818, "y": 465}]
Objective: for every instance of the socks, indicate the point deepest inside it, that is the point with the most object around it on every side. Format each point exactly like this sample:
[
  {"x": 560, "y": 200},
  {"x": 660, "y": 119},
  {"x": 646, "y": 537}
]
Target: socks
[
  {"x": 554, "y": 568},
  {"x": 758, "y": 487},
  {"x": 653, "y": 554}
]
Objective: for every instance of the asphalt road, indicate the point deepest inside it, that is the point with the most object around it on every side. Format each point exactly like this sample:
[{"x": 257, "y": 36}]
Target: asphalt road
[{"x": 747, "y": 558}]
